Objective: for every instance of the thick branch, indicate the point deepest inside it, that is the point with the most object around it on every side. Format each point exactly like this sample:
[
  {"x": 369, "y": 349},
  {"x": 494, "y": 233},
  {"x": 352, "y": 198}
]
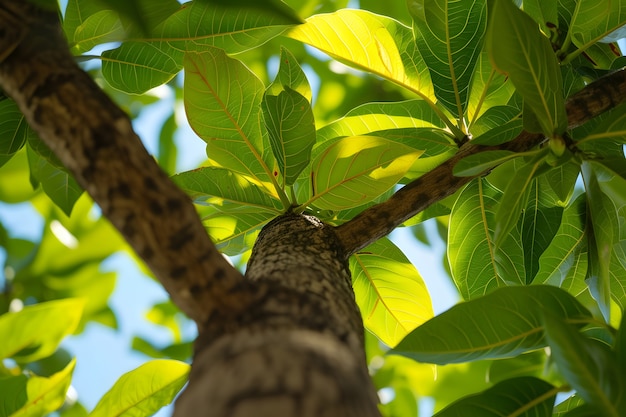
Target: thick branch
[
  {"x": 381, "y": 219},
  {"x": 95, "y": 141}
]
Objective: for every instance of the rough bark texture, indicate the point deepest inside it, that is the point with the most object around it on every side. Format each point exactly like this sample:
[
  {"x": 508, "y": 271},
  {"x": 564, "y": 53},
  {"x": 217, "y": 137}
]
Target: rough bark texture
[{"x": 298, "y": 349}]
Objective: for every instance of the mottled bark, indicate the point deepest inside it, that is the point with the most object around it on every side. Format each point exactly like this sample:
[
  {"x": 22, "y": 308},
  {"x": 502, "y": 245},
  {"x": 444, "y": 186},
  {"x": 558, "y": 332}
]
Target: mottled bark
[{"x": 298, "y": 349}]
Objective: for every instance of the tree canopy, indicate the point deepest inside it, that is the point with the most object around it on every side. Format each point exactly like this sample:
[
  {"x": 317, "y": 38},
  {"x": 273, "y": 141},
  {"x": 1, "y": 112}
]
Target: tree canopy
[{"x": 502, "y": 121}]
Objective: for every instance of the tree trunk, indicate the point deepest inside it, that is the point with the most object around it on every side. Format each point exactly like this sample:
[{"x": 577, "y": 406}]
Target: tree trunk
[{"x": 297, "y": 350}]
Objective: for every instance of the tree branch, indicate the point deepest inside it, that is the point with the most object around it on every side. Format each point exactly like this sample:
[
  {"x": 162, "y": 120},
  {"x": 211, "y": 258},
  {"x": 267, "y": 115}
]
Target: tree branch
[
  {"x": 380, "y": 220},
  {"x": 95, "y": 141}
]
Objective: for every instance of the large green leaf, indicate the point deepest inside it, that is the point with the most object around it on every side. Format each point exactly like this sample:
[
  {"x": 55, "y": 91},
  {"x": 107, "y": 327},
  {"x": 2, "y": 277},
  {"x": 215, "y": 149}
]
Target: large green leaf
[
  {"x": 35, "y": 395},
  {"x": 212, "y": 185},
  {"x": 371, "y": 42},
  {"x": 449, "y": 36},
  {"x": 595, "y": 20},
  {"x": 477, "y": 266},
  {"x": 389, "y": 291},
  {"x": 36, "y": 331},
  {"x": 611, "y": 130},
  {"x": 223, "y": 105},
  {"x": 523, "y": 397},
  {"x": 357, "y": 169},
  {"x": 143, "y": 391},
  {"x": 476, "y": 164},
  {"x": 504, "y": 323},
  {"x": 518, "y": 49},
  {"x": 589, "y": 366},
  {"x": 291, "y": 127}
]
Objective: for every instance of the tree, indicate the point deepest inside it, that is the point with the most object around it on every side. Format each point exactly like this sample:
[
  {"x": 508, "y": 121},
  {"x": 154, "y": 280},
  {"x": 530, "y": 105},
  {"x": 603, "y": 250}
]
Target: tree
[{"x": 489, "y": 117}]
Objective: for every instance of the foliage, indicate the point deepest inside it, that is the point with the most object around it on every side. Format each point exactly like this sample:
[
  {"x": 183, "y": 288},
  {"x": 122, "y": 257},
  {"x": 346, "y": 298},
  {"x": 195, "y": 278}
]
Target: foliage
[{"x": 536, "y": 248}]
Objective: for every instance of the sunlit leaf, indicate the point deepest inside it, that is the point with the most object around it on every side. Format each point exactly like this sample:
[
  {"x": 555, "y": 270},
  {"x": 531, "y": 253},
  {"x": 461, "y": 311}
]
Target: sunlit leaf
[
  {"x": 518, "y": 49},
  {"x": 234, "y": 228},
  {"x": 291, "y": 75},
  {"x": 500, "y": 134},
  {"x": 595, "y": 20},
  {"x": 355, "y": 170},
  {"x": 36, "y": 331},
  {"x": 373, "y": 117},
  {"x": 143, "y": 391},
  {"x": 524, "y": 396},
  {"x": 223, "y": 105},
  {"x": 489, "y": 89},
  {"x": 389, "y": 291},
  {"x": 217, "y": 185},
  {"x": 101, "y": 27},
  {"x": 588, "y": 366},
  {"x": 291, "y": 127},
  {"x": 449, "y": 36},
  {"x": 475, "y": 164},
  {"x": 374, "y": 43},
  {"x": 35, "y": 395},
  {"x": 501, "y": 324},
  {"x": 477, "y": 266}
]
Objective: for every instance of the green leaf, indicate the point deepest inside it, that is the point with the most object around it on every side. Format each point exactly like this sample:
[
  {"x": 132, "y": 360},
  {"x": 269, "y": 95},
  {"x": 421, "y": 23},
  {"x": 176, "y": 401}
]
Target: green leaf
[
  {"x": 529, "y": 364},
  {"x": 374, "y": 43},
  {"x": 389, "y": 291},
  {"x": 561, "y": 259},
  {"x": 602, "y": 227},
  {"x": 588, "y": 365},
  {"x": 36, "y": 331},
  {"x": 76, "y": 13},
  {"x": 501, "y": 134},
  {"x": 223, "y": 105},
  {"x": 201, "y": 24},
  {"x": 234, "y": 228},
  {"x": 489, "y": 89},
  {"x": 539, "y": 223},
  {"x": 562, "y": 179},
  {"x": 212, "y": 185},
  {"x": 504, "y": 323},
  {"x": 36, "y": 396},
  {"x": 290, "y": 75},
  {"x": 291, "y": 127},
  {"x": 515, "y": 197},
  {"x": 518, "y": 49},
  {"x": 572, "y": 403},
  {"x": 450, "y": 36},
  {"x": 143, "y": 391},
  {"x": 355, "y": 170},
  {"x": 477, "y": 266},
  {"x": 101, "y": 27},
  {"x": 524, "y": 396},
  {"x": 137, "y": 66},
  {"x": 476, "y": 164},
  {"x": 373, "y": 117},
  {"x": 593, "y": 21},
  {"x": 263, "y": 7},
  {"x": 56, "y": 182},
  {"x": 13, "y": 130}
]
